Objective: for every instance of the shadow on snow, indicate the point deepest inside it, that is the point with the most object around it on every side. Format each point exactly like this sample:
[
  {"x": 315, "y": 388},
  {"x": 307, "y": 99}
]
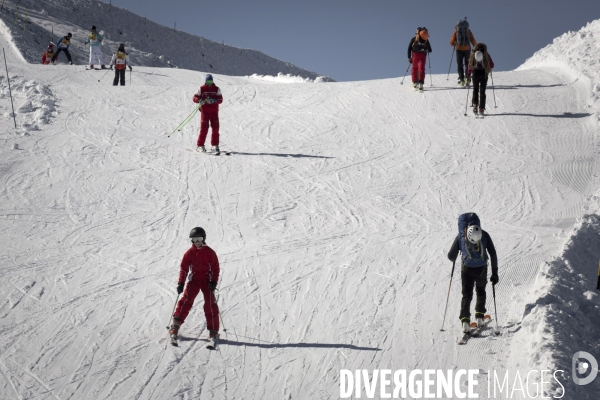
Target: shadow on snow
[{"x": 270, "y": 345}]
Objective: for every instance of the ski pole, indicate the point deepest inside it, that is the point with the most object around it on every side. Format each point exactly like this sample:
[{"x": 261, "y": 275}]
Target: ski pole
[
  {"x": 451, "y": 58},
  {"x": 171, "y": 317},
  {"x": 186, "y": 120},
  {"x": 405, "y": 74},
  {"x": 104, "y": 75},
  {"x": 493, "y": 91},
  {"x": 467, "y": 102},
  {"x": 495, "y": 310},
  {"x": 10, "y": 90},
  {"x": 448, "y": 297},
  {"x": 130, "y": 80},
  {"x": 430, "y": 76}
]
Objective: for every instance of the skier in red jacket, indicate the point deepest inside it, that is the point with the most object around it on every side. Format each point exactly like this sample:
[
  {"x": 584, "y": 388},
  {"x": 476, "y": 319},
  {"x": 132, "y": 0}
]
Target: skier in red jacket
[
  {"x": 201, "y": 267},
  {"x": 210, "y": 96}
]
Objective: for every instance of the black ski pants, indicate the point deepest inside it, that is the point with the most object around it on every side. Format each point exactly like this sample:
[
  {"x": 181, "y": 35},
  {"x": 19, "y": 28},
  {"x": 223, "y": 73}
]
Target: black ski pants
[
  {"x": 55, "y": 56},
  {"x": 119, "y": 75},
  {"x": 473, "y": 277},
  {"x": 479, "y": 85},
  {"x": 462, "y": 58}
]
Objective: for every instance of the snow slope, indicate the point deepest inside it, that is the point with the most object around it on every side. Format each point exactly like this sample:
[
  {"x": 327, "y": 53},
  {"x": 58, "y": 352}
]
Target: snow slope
[
  {"x": 32, "y": 23},
  {"x": 332, "y": 221}
]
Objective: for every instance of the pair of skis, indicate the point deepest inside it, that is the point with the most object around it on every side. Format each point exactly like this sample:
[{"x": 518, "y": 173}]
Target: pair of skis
[{"x": 475, "y": 330}]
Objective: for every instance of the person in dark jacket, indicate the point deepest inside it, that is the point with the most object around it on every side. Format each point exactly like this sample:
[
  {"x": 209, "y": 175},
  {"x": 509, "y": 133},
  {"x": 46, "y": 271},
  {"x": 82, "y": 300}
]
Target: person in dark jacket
[
  {"x": 418, "y": 48},
  {"x": 62, "y": 44},
  {"x": 480, "y": 66},
  {"x": 476, "y": 249}
]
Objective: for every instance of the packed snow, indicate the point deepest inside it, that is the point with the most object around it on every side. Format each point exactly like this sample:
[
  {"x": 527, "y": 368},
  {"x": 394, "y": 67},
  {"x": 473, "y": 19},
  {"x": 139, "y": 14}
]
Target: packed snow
[{"x": 331, "y": 219}]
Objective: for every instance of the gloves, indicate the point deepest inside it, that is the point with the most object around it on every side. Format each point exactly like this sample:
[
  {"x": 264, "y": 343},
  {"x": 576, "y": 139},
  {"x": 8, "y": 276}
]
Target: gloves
[
  {"x": 212, "y": 285},
  {"x": 494, "y": 278},
  {"x": 131, "y": 69},
  {"x": 410, "y": 60},
  {"x": 180, "y": 288},
  {"x": 196, "y": 99}
]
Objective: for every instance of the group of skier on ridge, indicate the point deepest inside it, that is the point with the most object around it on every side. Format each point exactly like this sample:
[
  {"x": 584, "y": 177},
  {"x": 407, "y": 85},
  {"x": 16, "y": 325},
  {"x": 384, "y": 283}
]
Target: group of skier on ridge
[
  {"x": 477, "y": 64},
  {"x": 200, "y": 265},
  {"x": 120, "y": 59}
]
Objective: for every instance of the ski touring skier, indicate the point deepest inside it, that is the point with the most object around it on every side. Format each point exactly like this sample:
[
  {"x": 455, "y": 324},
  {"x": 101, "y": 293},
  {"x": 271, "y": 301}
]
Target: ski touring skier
[
  {"x": 418, "y": 48},
  {"x": 62, "y": 45},
  {"x": 480, "y": 66},
  {"x": 476, "y": 248},
  {"x": 48, "y": 54},
  {"x": 209, "y": 96},
  {"x": 120, "y": 60},
  {"x": 200, "y": 266},
  {"x": 94, "y": 39},
  {"x": 461, "y": 40}
]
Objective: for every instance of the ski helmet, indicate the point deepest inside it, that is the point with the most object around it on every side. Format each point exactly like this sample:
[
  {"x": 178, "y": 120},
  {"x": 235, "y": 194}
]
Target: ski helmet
[
  {"x": 474, "y": 234},
  {"x": 50, "y": 47},
  {"x": 93, "y": 27},
  {"x": 208, "y": 78},
  {"x": 198, "y": 232},
  {"x": 69, "y": 35},
  {"x": 479, "y": 56},
  {"x": 122, "y": 46}
]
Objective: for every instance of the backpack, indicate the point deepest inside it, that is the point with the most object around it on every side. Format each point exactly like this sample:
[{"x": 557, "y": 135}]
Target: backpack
[
  {"x": 465, "y": 220},
  {"x": 462, "y": 33},
  {"x": 473, "y": 255}
]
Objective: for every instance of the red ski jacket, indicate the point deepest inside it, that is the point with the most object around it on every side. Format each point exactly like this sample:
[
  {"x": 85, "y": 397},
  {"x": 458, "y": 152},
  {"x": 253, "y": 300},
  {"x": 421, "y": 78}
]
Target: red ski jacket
[
  {"x": 200, "y": 266},
  {"x": 212, "y": 95}
]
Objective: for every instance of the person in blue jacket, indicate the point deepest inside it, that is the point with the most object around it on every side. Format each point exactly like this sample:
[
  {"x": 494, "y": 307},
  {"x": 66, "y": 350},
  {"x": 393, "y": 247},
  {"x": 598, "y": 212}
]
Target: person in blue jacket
[{"x": 63, "y": 44}]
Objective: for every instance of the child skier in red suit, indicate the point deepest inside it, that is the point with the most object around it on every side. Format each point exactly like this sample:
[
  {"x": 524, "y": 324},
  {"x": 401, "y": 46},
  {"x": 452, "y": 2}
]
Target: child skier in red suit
[{"x": 200, "y": 266}]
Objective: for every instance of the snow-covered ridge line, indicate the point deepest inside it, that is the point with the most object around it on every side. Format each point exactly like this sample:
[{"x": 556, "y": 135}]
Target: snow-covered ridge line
[
  {"x": 148, "y": 43},
  {"x": 287, "y": 78}
]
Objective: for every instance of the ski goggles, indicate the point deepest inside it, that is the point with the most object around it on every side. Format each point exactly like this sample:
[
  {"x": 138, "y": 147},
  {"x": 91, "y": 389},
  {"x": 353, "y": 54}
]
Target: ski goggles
[
  {"x": 209, "y": 82},
  {"x": 419, "y": 29},
  {"x": 197, "y": 239}
]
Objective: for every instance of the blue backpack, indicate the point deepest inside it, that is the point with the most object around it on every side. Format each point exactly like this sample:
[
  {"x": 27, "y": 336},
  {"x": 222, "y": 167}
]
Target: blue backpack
[
  {"x": 473, "y": 255},
  {"x": 462, "y": 33}
]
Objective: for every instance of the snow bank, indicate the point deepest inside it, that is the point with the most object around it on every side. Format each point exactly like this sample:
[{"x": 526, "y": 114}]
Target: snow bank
[
  {"x": 563, "y": 315},
  {"x": 575, "y": 52},
  {"x": 35, "y": 104}
]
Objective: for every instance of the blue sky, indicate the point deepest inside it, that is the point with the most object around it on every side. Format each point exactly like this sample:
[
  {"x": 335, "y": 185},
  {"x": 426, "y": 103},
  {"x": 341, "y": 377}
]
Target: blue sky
[{"x": 352, "y": 40}]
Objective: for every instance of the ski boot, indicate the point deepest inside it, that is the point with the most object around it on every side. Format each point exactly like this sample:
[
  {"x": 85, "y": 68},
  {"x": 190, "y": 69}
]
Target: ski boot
[
  {"x": 420, "y": 86},
  {"x": 216, "y": 150},
  {"x": 481, "y": 111},
  {"x": 213, "y": 339},
  {"x": 91, "y": 66},
  {"x": 201, "y": 149},
  {"x": 103, "y": 66},
  {"x": 475, "y": 109},
  {"x": 175, "y": 325},
  {"x": 466, "y": 327},
  {"x": 414, "y": 85}
]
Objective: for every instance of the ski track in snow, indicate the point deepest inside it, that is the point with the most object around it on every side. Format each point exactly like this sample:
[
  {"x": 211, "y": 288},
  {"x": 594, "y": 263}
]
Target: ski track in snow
[{"x": 332, "y": 221}]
